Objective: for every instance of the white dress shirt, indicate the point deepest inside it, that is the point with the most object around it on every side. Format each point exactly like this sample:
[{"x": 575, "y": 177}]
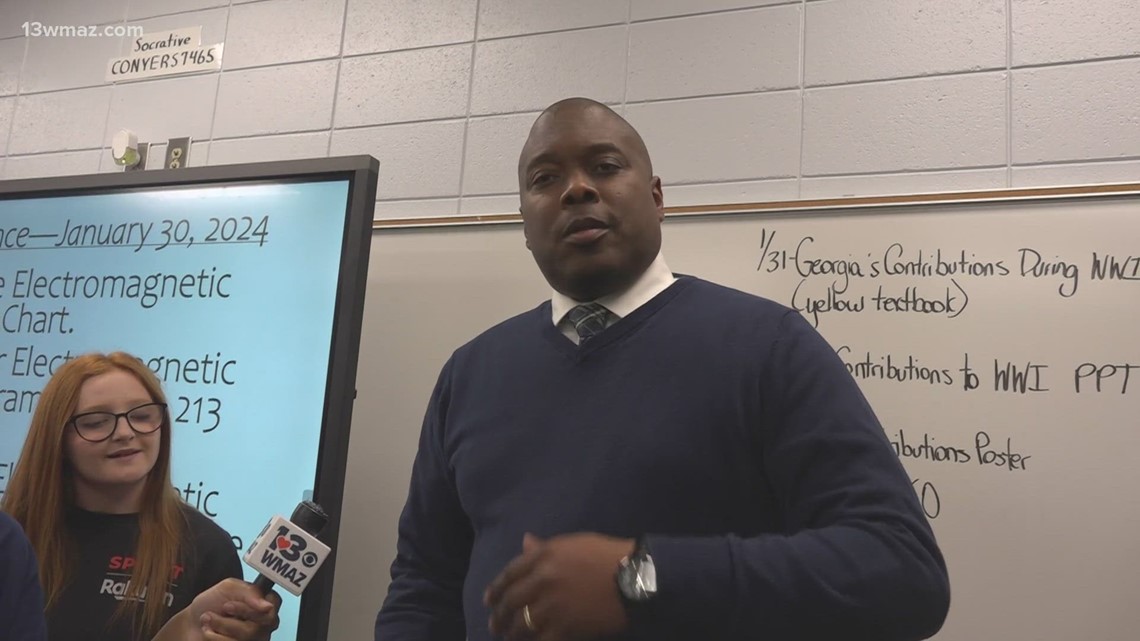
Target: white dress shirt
[{"x": 654, "y": 280}]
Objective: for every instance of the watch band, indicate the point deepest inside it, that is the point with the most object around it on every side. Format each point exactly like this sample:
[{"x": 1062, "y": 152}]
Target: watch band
[{"x": 640, "y": 548}]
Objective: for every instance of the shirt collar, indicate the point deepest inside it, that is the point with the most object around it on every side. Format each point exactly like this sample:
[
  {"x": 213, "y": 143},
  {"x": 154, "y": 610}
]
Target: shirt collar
[{"x": 654, "y": 280}]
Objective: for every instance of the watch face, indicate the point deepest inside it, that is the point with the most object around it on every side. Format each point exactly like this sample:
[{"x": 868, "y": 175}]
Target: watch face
[
  {"x": 627, "y": 580},
  {"x": 637, "y": 579},
  {"x": 647, "y": 576}
]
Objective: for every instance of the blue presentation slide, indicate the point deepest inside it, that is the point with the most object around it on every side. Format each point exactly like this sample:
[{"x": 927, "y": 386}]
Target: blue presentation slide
[{"x": 226, "y": 292}]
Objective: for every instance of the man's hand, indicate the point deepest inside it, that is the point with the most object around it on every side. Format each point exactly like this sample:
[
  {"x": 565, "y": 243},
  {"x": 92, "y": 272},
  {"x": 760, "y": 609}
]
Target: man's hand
[
  {"x": 566, "y": 585},
  {"x": 234, "y": 610}
]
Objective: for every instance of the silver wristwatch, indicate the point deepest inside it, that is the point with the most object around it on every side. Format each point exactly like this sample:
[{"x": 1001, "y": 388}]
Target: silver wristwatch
[{"x": 637, "y": 576}]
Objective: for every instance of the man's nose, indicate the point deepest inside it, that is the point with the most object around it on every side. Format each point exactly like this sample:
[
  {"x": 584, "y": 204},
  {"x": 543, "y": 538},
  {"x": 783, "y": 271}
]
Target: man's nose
[{"x": 579, "y": 189}]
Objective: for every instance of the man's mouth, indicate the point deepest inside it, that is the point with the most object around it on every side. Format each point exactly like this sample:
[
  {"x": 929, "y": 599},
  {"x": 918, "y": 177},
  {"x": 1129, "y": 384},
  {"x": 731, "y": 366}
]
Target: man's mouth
[{"x": 585, "y": 230}]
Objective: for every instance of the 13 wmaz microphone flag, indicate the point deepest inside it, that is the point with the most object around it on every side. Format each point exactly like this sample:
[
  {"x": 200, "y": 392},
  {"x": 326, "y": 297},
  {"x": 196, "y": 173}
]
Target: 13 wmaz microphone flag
[{"x": 288, "y": 553}]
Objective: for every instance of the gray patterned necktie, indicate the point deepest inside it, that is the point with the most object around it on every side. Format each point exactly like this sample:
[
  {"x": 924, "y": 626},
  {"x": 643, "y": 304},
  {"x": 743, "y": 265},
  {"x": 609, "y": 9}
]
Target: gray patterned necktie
[{"x": 588, "y": 320}]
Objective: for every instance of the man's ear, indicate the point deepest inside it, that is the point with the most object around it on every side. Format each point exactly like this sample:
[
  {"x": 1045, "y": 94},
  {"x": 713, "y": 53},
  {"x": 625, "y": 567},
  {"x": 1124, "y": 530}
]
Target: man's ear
[{"x": 658, "y": 197}]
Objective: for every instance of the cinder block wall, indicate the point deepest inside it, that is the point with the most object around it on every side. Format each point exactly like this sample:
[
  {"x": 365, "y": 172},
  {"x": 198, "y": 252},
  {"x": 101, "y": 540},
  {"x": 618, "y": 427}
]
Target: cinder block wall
[{"x": 739, "y": 100}]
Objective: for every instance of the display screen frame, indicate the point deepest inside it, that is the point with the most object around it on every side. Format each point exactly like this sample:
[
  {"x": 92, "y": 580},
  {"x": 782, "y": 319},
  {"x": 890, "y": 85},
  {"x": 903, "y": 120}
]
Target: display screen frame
[{"x": 361, "y": 173}]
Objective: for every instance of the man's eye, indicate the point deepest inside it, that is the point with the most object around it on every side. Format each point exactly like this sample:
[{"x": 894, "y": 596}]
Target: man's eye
[
  {"x": 542, "y": 179},
  {"x": 608, "y": 167}
]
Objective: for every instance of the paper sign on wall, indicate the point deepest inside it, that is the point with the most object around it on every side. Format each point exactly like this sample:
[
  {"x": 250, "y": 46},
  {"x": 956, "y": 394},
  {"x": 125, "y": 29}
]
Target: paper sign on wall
[{"x": 165, "y": 53}]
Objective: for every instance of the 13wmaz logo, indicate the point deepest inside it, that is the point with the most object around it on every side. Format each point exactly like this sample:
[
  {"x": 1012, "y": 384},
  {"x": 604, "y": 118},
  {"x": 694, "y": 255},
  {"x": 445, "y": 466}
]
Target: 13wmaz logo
[
  {"x": 286, "y": 554},
  {"x": 291, "y": 547}
]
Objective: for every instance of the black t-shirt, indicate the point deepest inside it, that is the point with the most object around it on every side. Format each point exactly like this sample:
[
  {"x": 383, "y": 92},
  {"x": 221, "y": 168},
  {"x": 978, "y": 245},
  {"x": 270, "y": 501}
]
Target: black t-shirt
[{"x": 98, "y": 579}]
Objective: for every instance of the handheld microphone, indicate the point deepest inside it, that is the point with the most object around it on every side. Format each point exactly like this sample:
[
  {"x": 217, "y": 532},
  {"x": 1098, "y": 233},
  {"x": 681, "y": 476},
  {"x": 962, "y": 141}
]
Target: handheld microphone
[{"x": 288, "y": 553}]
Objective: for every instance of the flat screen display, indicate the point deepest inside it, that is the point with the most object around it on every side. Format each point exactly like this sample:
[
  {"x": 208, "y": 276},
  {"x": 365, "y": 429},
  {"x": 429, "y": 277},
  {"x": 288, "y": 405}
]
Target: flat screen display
[{"x": 241, "y": 293}]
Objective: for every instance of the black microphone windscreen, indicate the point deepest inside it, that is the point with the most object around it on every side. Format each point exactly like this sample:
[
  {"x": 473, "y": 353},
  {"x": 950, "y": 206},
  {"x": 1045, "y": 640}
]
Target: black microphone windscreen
[{"x": 309, "y": 517}]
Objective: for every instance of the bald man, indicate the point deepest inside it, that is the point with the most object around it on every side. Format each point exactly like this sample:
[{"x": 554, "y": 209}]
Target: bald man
[{"x": 649, "y": 455}]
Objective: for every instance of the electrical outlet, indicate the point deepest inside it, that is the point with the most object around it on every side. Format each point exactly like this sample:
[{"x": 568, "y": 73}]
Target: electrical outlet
[{"x": 177, "y": 153}]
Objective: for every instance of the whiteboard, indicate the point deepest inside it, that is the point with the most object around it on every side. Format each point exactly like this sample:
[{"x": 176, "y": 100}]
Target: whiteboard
[{"x": 997, "y": 341}]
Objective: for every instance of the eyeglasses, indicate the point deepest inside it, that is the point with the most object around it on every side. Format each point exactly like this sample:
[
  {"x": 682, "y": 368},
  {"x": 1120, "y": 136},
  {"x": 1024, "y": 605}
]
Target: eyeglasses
[{"x": 99, "y": 426}]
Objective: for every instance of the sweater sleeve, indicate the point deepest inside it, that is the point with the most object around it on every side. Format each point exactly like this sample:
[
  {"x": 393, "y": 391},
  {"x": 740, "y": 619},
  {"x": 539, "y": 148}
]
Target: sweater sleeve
[
  {"x": 21, "y": 599},
  {"x": 854, "y": 558},
  {"x": 433, "y": 549}
]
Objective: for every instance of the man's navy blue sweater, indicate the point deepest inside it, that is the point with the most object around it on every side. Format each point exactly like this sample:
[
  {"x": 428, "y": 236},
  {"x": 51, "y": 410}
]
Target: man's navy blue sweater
[
  {"x": 21, "y": 599},
  {"x": 717, "y": 423}
]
